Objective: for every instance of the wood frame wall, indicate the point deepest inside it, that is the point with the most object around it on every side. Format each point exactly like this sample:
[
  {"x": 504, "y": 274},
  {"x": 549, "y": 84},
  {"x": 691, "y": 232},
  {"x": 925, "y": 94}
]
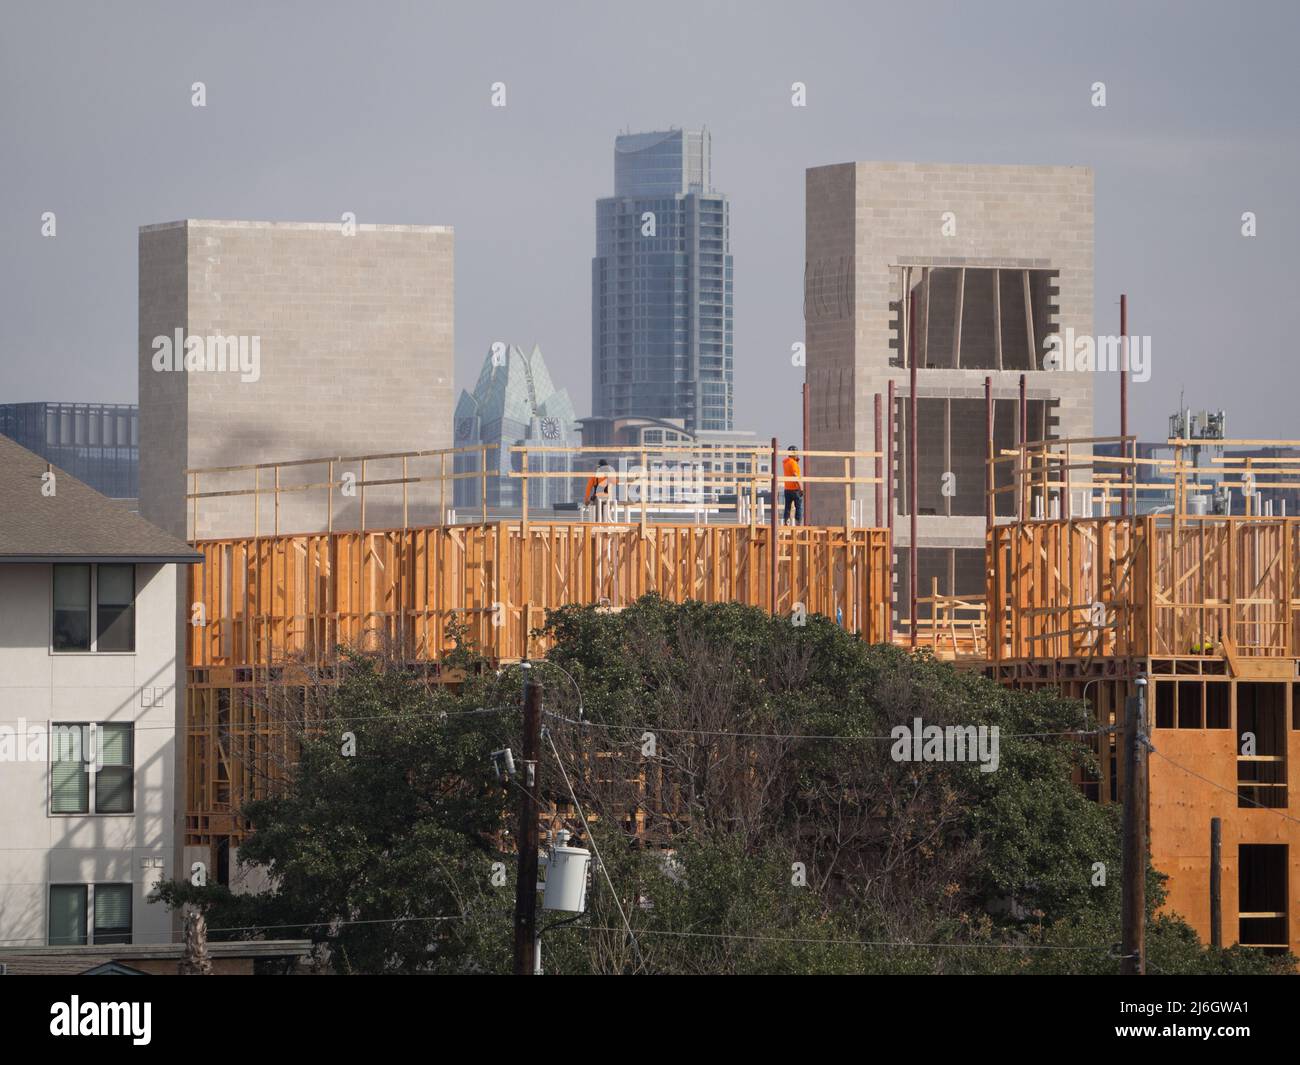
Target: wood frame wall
[
  {"x": 1157, "y": 585},
  {"x": 274, "y": 609},
  {"x": 264, "y": 601}
]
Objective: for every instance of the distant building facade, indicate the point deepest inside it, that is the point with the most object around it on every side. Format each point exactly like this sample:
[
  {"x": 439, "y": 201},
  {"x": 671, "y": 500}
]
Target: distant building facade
[
  {"x": 98, "y": 443},
  {"x": 661, "y": 286},
  {"x": 309, "y": 340},
  {"x": 964, "y": 270},
  {"x": 515, "y": 403},
  {"x": 1214, "y": 482}
]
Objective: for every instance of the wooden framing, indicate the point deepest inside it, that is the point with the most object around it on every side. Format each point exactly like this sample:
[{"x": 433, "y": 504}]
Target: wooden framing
[
  {"x": 269, "y": 600},
  {"x": 1085, "y": 602},
  {"x": 1198, "y": 716},
  {"x": 275, "y": 609},
  {"x": 1155, "y": 586},
  {"x": 955, "y": 630}
]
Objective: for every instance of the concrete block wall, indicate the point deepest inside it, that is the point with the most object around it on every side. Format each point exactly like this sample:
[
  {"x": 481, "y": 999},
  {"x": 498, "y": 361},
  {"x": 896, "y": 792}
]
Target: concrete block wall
[
  {"x": 356, "y": 352},
  {"x": 862, "y": 219}
]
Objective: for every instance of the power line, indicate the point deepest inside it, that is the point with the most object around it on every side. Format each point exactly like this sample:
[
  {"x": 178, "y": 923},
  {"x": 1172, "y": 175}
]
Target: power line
[
  {"x": 807, "y": 736},
  {"x": 901, "y": 944},
  {"x": 1214, "y": 783},
  {"x": 804, "y": 940},
  {"x": 324, "y": 720}
]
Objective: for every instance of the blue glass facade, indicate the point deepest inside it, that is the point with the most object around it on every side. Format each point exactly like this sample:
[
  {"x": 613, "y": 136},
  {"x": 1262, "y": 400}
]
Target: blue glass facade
[
  {"x": 662, "y": 287},
  {"x": 97, "y": 443}
]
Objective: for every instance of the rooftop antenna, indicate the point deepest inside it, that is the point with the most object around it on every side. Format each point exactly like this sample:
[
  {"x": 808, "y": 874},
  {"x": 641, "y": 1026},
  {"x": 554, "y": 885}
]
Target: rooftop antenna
[{"x": 1207, "y": 425}]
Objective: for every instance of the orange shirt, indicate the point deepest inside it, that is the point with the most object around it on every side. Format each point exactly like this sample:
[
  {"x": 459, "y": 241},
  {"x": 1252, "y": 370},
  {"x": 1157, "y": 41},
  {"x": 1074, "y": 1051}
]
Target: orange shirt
[
  {"x": 600, "y": 485},
  {"x": 790, "y": 467}
]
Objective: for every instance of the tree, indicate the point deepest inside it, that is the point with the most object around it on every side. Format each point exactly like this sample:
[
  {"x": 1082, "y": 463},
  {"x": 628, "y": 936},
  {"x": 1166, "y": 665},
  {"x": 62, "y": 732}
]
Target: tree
[
  {"x": 383, "y": 848},
  {"x": 771, "y": 748},
  {"x": 740, "y": 778},
  {"x": 195, "y": 961}
]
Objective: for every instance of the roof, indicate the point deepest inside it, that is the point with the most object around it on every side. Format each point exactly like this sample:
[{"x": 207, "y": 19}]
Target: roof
[
  {"x": 510, "y": 393},
  {"x": 303, "y": 227},
  {"x": 75, "y": 523}
]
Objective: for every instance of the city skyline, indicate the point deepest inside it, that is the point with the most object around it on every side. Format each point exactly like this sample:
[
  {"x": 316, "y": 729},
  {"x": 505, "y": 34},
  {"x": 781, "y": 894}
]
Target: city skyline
[
  {"x": 876, "y": 615},
  {"x": 1190, "y": 138}
]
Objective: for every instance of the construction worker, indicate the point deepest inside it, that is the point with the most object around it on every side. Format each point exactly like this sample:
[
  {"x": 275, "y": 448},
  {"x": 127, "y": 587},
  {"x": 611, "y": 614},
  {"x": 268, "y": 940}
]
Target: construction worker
[
  {"x": 600, "y": 491},
  {"x": 793, "y": 486}
]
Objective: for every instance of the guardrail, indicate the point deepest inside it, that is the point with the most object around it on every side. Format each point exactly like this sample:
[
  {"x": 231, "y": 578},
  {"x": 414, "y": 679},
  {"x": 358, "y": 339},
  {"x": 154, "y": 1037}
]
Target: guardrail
[
  {"x": 1064, "y": 479},
  {"x": 662, "y": 484}
]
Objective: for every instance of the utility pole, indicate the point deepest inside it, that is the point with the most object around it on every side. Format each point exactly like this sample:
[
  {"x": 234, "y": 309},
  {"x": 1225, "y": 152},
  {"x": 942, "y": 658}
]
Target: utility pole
[
  {"x": 529, "y": 816},
  {"x": 1134, "y": 904}
]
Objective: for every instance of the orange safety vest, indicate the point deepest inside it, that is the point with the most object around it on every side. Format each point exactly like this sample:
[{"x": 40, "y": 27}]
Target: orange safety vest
[
  {"x": 598, "y": 487},
  {"x": 791, "y": 469}
]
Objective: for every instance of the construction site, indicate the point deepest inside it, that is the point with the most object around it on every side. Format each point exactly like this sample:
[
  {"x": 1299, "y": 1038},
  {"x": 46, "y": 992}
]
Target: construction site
[
  {"x": 276, "y": 604},
  {"x": 1099, "y": 575},
  {"x": 958, "y": 505}
]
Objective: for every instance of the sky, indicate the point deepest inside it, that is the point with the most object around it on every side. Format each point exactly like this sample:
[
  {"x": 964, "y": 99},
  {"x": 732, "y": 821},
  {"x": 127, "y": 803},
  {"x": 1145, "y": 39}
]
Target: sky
[{"x": 383, "y": 109}]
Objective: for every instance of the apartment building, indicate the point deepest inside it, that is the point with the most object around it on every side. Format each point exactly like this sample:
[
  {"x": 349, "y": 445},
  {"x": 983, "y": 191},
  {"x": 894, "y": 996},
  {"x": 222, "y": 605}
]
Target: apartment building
[{"x": 90, "y": 693}]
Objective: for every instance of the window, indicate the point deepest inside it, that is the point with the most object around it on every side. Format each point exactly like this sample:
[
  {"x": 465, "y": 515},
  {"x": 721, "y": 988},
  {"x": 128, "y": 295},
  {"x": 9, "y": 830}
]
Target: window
[
  {"x": 72, "y": 608},
  {"x": 92, "y": 768},
  {"x": 115, "y": 779},
  {"x": 112, "y": 589},
  {"x": 115, "y": 608},
  {"x": 1262, "y": 896},
  {"x": 67, "y": 915},
  {"x": 1261, "y": 746},
  {"x": 71, "y": 907},
  {"x": 112, "y": 913},
  {"x": 69, "y": 780}
]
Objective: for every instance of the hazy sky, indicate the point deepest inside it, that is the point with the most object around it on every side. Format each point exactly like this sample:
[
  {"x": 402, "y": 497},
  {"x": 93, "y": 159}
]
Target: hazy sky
[{"x": 383, "y": 109}]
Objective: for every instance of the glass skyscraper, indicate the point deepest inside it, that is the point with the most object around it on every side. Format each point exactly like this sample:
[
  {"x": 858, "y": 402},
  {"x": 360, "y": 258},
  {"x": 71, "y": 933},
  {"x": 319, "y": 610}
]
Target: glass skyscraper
[{"x": 661, "y": 295}]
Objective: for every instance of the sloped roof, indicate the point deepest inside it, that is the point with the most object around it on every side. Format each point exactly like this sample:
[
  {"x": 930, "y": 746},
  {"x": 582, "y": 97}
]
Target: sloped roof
[{"x": 76, "y": 523}]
